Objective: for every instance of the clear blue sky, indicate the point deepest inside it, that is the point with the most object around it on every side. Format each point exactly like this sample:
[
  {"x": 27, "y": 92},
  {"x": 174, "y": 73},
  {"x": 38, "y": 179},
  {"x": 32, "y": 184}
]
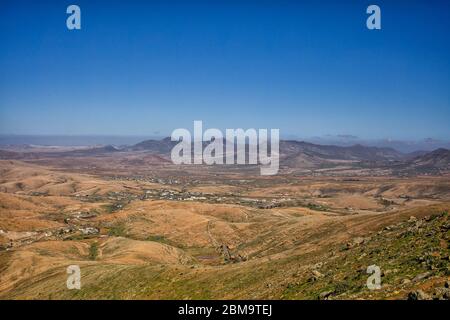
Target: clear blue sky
[{"x": 310, "y": 68}]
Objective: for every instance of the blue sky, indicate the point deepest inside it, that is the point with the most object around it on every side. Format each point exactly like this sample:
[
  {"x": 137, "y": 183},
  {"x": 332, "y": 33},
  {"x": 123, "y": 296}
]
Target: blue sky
[{"x": 309, "y": 68}]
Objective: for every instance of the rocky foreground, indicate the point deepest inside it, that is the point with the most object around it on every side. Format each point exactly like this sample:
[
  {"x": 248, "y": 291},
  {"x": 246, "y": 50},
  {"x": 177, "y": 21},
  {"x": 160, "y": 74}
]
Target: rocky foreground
[{"x": 413, "y": 257}]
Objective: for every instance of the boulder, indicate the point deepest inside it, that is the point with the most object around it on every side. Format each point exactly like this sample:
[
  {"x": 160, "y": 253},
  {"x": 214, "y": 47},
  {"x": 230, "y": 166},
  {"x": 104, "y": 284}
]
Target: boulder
[
  {"x": 441, "y": 294},
  {"x": 325, "y": 295},
  {"x": 418, "y": 295},
  {"x": 421, "y": 276}
]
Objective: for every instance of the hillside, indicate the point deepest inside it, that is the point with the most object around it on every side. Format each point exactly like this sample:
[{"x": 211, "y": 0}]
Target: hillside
[{"x": 435, "y": 162}]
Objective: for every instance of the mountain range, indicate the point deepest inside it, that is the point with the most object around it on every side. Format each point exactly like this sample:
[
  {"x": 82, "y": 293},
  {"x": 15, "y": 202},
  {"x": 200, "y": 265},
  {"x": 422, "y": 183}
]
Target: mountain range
[{"x": 293, "y": 154}]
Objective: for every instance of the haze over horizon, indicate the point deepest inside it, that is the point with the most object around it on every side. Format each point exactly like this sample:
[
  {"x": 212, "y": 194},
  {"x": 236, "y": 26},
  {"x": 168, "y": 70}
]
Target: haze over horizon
[{"x": 148, "y": 68}]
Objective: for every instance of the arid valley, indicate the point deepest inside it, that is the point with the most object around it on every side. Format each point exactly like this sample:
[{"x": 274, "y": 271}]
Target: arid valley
[{"x": 141, "y": 227}]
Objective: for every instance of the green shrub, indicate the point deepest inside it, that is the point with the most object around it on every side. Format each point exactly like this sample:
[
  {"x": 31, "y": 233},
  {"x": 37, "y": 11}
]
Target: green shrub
[{"x": 93, "y": 251}]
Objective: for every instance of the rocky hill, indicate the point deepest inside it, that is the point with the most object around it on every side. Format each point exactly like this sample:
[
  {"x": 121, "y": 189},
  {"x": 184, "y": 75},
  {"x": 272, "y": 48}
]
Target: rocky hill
[{"x": 413, "y": 256}]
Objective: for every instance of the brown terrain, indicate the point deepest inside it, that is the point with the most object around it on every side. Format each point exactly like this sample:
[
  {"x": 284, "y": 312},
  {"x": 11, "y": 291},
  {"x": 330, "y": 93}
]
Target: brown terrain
[{"x": 140, "y": 227}]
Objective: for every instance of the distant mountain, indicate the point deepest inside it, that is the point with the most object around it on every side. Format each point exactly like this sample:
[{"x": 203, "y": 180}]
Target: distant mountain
[
  {"x": 297, "y": 154},
  {"x": 439, "y": 158},
  {"x": 163, "y": 146},
  {"x": 415, "y": 154},
  {"x": 404, "y": 146},
  {"x": 435, "y": 162},
  {"x": 293, "y": 154},
  {"x": 291, "y": 147},
  {"x": 355, "y": 152},
  {"x": 92, "y": 151}
]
